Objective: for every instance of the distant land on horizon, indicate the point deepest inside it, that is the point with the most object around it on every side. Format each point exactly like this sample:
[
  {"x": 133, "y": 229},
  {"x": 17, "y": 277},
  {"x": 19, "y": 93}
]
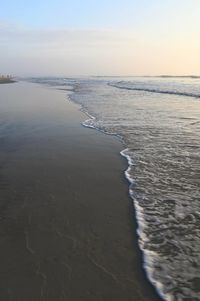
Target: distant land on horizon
[{"x": 6, "y": 79}]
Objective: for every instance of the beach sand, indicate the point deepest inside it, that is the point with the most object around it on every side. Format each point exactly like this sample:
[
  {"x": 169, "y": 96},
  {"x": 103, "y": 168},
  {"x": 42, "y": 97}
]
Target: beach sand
[{"x": 67, "y": 229}]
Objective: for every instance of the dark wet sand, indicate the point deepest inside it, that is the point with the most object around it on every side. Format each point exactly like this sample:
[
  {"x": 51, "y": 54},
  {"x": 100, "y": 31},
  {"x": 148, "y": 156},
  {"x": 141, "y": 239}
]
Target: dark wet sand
[{"x": 67, "y": 230}]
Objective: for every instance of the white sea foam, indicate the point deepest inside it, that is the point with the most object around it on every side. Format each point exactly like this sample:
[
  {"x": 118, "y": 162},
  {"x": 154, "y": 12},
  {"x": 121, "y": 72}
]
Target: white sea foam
[{"x": 148, "y": 256}]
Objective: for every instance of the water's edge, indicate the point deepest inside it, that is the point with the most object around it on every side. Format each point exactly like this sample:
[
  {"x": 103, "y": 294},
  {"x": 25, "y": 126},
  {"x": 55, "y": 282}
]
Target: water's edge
[{"x": 146, "y": 258}]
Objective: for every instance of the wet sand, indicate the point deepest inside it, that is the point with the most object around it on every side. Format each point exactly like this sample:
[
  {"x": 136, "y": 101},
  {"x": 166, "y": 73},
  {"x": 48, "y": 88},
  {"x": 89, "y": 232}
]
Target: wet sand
[{"x": 67, "y": 229}]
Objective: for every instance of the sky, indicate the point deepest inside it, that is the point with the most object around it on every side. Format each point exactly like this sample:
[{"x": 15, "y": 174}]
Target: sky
[{"x": 93, "y": 37}]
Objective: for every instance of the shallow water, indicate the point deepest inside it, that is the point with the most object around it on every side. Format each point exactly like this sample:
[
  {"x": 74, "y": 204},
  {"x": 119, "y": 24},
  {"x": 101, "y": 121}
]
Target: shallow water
[{"x": 159, "y": 122}]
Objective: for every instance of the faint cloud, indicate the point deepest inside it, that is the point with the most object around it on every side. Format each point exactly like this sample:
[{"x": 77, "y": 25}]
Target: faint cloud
[{"x": 63, "y": 49}]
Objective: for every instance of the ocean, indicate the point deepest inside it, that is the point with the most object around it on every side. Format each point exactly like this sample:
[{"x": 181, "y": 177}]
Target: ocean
[{"x": 158, "y": 121}]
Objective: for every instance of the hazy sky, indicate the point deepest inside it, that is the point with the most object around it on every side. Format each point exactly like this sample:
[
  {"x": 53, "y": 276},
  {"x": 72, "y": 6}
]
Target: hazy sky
[{"x": 100, "y": 37}]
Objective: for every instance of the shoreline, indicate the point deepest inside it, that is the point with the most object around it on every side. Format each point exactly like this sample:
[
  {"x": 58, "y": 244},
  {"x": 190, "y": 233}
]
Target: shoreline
[
  {"x": 88, "y": 123},
  {"x": 68, "y": 220}
]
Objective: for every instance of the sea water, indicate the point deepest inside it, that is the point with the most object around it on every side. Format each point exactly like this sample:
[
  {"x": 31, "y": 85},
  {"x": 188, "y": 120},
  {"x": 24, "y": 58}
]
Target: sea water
[{"x": 158, "y": 119}]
